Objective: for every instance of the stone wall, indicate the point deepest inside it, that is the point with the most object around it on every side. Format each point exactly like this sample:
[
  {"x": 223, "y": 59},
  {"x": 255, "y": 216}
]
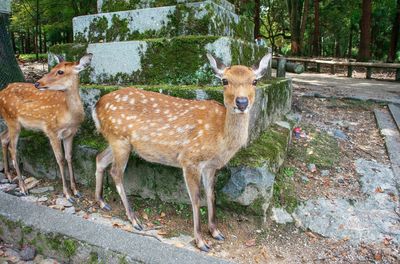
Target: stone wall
[{"x": 5, "y": 6}]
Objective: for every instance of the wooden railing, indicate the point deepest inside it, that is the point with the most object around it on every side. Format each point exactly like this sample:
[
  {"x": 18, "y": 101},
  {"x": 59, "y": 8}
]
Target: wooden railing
[{"x": 350, "y": 66}]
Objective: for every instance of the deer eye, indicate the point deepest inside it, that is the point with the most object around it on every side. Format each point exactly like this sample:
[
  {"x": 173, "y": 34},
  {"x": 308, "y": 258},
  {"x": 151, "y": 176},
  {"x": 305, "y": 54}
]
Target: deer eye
[
  {"x": 224, "y": 81},
  {"x": 255, "y": 82},
  {"x": 60, "y": 72}
]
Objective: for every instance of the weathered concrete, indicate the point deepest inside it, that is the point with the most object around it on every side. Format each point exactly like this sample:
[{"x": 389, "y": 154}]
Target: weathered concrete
[
  {"x": 5, "y": 6},
  {"x": 392, "y": 138},
  {"x": 75, "y": 240},
  {"x": 200, "y": 18},
  {"x": 395, "y": 112},
  {"x": 365, "y": 220}
]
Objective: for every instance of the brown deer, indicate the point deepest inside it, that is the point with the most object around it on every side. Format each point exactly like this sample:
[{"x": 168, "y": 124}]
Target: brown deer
[
  {"x": 197, "y": 136},
  {"x": 52, "y": 105}
]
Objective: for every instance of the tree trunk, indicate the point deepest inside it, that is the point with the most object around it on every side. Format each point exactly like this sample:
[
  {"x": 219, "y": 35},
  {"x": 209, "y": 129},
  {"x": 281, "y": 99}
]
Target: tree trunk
[
  {"x": 316, "y": 37},
  {"x": 337, "y": 47},
  {"x": 394, "y": 40},
  {"x": 295, "y": 8},
  {"x": 349, "y": 53},
  {"x": 304, "y": 23},
  {"x": 364, "y": 53},
  {"x": 257, "y": 24}
]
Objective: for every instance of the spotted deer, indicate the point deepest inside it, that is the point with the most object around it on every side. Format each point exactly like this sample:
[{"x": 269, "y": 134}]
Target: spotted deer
[
  {"x": 197, "y": 136},
  {"x": 51, "y": 105}
]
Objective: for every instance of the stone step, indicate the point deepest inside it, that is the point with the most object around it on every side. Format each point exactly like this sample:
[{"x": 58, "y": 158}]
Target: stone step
[
  {"x": 180, "y": 60},
  {"x": 200, "y": 18},
  {"x": 123, "y": 5},
  {"x": 395, "y": 112},
  {"x": 391, "y": 133}
]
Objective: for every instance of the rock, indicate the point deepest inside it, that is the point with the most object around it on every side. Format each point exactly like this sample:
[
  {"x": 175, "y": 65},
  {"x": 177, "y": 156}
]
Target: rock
[
  {"x": 7, "y": 187},
  {"x": 311, "y": 167},
  {"x": 341, "y": 181},
  {"x": 281, "y": 216},
  {"x": 48, "y": 261},
  {"x": 339, "y": 134},
  {"x": 28, "y": 253},
  {"x": 42, "y": 190},
  {"x": 4, "y": 181},
  {"x": 29, "y": 198},
  {"x": 325, "y": 173},
  {"x": 12, "y": 254},
  {"x": 63, "y": 202},
  {"x": 2, "y": 176},
  {"x": 305, "y": 179},
  {"x": 69, "y": 210},
  {"x": 43, "y": 199}
]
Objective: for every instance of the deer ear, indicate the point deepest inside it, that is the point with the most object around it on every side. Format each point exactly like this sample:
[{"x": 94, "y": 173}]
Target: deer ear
[
  {"x": 84, "y": 62},
  {"x": 58, "y": 58},
  {"x": 219, "y": 72},
  {"x": 263, "y": 66}
]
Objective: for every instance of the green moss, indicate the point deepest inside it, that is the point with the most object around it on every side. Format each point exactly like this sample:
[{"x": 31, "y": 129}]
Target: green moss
[
  {"x": 122, "y": 260},
  {"x": 269, "y": 147},
  {"x": 69, "y": 247},
  {"x": 93, "y": 258},
  {"x": 27, "y": 229},
  {"x": 284, "y": 193},
  {"x": 70, "y": 51}
]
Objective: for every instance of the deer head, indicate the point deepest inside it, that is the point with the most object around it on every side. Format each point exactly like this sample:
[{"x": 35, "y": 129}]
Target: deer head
[
  {"x": 239, "y": 83},
  {"x": 61, "y": 77}
]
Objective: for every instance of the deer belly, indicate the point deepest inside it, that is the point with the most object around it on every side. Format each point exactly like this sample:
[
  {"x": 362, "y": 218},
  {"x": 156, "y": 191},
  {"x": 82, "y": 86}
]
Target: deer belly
[{"x": 157, "y": 154}]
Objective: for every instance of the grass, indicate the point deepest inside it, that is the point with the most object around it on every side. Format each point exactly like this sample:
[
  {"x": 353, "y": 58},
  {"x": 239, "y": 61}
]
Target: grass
[
  {"x": 284, "y": 194},
  {"x": 32, "y": 57}
]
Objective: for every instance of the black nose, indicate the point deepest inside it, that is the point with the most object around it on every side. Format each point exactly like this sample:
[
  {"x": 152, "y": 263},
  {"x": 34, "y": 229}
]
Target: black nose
[
  {"x": 242, "y": 103},
  {"x": 37, "y": 84}
]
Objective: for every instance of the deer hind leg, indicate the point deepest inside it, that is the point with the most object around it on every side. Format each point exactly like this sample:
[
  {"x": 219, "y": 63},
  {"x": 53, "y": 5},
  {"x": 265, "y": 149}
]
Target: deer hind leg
[
  {"x": 102, "y": 161},
  {"x": 57, "y": 149},
  {"x": 209, "y": 184},
  {"x": 120, "y": 152},
  {"x": 67, "y": 142},
  {"x": 5, "y": 141},
  {"x": 13, "y": 133},
  {"x": 192, "y": 179}
]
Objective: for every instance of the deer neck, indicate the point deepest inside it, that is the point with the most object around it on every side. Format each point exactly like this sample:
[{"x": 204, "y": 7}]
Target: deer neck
[
  {"x": 236, "y": 131},
  {"x": 73, "y": 99}
]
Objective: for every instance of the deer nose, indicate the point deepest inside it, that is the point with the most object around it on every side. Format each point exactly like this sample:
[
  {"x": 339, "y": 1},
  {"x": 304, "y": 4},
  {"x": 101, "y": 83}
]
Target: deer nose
[
  {"x": 242, "y": 103},
  {"x": 37, "y": 84}
]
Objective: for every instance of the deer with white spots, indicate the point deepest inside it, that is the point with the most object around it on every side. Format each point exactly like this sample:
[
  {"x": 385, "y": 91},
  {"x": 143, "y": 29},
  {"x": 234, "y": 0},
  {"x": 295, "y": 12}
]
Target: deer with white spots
[
  {"x": 51, "y": 105},
  {"x": 198, "y": 136}
]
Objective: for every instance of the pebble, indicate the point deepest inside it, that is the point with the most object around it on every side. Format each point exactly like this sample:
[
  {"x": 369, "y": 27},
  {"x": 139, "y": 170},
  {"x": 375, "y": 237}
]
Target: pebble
[
  {"x": 311, "y": 167},
  {"x": 325, "y": 173},
  {"x": 63, "y": 202},
  {"x": 305, "y": 179},
  {"x": 12, "y": 254},
  {"x": 69, "y": 210},
  {"x": 4, "y": 181},
  {"x": 28, "y": 253},
  {"x": 340, "y": 180},
  {"x": 2, "y": 176},
  {"x": 339, "y": 134},
  {"x": 29, "y": 198},
  {"x": 42, "y": 190},
  {"x": 43, "y": 199}
]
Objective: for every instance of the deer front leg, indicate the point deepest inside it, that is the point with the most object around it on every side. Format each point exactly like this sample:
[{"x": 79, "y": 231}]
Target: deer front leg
[
  {"x": 5, "y": 141},
  {"x": 56, "y": 145},
  {"x": 14, "y": 134},
  {"x": 120, "y": 152},
  {"x": 209, "y": 184},
  {"x": 102, "y": 161},
  {"x": 67, "y": 142},
  {"x": 192, "y": 179}
]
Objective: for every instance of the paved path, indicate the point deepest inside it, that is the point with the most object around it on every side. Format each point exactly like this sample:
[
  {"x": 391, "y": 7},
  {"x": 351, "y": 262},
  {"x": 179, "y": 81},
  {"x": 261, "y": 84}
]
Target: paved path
[{"x": 327, "y": 85}]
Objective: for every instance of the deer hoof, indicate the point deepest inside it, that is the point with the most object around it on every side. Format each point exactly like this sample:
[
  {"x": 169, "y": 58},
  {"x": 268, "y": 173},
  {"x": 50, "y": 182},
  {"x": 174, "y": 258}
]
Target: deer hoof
[
  {"x": 205, "y": 248},
  {"x": 219, "y": 237},
  {"x": 71, "y": 200},
  {"x": 106, "y": 207},
  {"x": 78, "y": 195},
  {"x": 138, "y": 227}
]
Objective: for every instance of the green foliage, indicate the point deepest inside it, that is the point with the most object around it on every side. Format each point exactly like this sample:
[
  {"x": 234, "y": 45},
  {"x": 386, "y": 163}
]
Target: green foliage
[
  {"x": 32, "y": 57},
  {"x": 284, "y": 193}
]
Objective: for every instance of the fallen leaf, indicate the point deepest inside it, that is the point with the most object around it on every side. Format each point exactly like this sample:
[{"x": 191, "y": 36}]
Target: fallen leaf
[
  {"x": 162, "y": 214},
  {"x": 162, "y": 233},
  {"x": 117, "y": 224},
  {"x": 310, "y": 234},
  {"x": 33, "y": 183},
  {"x": 85, "y": 216},
  {"x": 150, "y": 225},
  {"x": 346, "y": 238},
  {"x": 379, "y": 189},
  {"x": 378, "y": 256},
  {"x": 127, "y": 228},
  {"x": 250, "y": 243},
  {"x": 107, "y": 216},
  {"x": 179, "y": 245},
  {"x": 386, "y": 241},
  {"x": 145, "y": 216}
]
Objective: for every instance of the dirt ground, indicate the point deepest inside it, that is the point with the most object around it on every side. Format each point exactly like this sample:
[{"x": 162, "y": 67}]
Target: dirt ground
[{"x": 250, "y": 241}]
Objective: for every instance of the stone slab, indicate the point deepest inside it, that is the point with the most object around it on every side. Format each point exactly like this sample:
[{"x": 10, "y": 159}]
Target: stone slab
[
  {"x": 180, "y": 60},
  {"x": 395, "y": 112},
  {"x": 392, "y": 136},
  {"x": 5, "y": 6},
  {"x": 110, "y": 245},
  {"x": 199, "y": 18}
]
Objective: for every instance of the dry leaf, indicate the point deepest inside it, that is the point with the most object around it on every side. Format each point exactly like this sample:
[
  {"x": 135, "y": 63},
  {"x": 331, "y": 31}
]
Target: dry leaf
[
  {"x": 150, "y": 225},
  {"x": 179, "y": 245},
  {"x": 310, "y": 234},
  {"x": 250, "y": 243},
  {"x": 127, "y": 228},
  {"x": 162, "y": 214},
  {"x": 145, "y": 216},
  {"x": 378, "y": 256},
  {"x": 162, "y": 233},
  {"x": 116, "y": 224},
  {"x": 386, "y": 241},
  {"x": 33, "y": 183},
  {"x": 379, "y": 189},
  {"x": 85, "y": 216}
]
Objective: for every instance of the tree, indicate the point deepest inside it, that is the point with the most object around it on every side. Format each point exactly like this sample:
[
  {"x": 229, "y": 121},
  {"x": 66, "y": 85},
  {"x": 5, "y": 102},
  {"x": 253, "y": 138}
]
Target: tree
[
  {"x": 316, "y": 35},
  {"x": 295, "y": 9},
  {"x": 364, "y": 53},
  {"x": 304, "y": 23},
  {"x": 257, "y": 18},
  {"x": 394, "y": 40}
]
